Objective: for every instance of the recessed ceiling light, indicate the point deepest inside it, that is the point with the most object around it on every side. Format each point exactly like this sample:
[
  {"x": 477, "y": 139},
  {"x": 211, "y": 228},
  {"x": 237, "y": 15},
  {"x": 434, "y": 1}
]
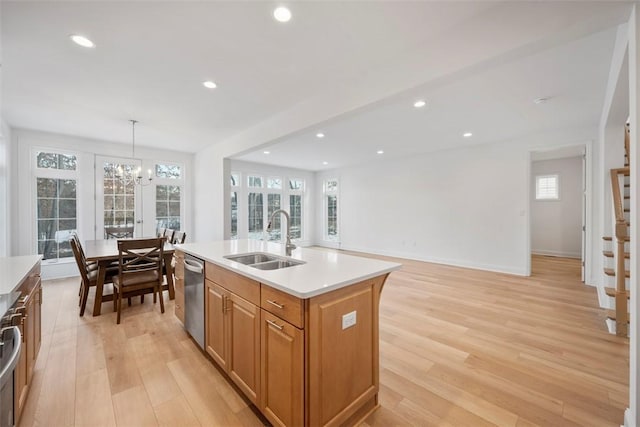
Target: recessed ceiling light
[
  {"x": 209, "y": 84},
  {"x": 420, "y": 103},
  {"x": 380, "y": 152},
  {"x": 319, "y": 135},
  {"x": 467, "y": 134},
  {"x": 267, "y": 152},
  {"x": 540, "y": 100},
  {"x": 325, "y": 163},
  {"x": 82, "y": 40},
  {"x": 282, "y": 14}
]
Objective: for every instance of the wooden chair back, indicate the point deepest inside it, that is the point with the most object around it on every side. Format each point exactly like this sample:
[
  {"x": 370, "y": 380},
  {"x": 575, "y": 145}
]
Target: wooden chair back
[
  {"x": 140, "y": 265},
  {"x": 179, "y": 237},
  {"x": 160, "y": 232},
  {"x": 78, "y": 254},
  {"x": 168, "y": 233}
]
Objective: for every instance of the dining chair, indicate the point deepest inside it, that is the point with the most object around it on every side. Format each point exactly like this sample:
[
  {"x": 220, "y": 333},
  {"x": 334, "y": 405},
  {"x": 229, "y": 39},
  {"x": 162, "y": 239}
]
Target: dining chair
[
  {"x": 160, "y": 232},
  {"x": 168, "y": 233},
  {"x": 139, "y": 271},
  {"x": 88, "y": 272},
  {"x": 178, "y": 237}
]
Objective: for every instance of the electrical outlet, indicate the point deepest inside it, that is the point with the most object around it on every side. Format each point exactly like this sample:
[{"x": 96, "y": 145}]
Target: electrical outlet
[{"x": 348, "y": 320}]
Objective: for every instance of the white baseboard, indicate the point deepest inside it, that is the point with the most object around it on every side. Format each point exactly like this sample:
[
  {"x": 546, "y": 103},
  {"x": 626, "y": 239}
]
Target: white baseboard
[
  {"x": 628, "y": 422},
  {"x": 557, "y": 253}
]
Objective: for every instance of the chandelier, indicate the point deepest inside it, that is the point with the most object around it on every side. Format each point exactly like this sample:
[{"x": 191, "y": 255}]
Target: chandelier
[{"x": 130, "y": 175}]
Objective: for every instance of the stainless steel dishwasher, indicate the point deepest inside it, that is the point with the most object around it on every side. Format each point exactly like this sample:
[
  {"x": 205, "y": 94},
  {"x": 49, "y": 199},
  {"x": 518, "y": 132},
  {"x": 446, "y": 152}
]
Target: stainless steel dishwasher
[{"x": 194, "y": 298}]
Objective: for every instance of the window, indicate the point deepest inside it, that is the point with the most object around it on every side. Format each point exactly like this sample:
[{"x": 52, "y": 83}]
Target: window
[
  {"x": 119, "y": 198},
  {"x": 235, "y": 179},
  {"x": 168, "y": 207},
  {"x": 234, "y": 214},
  {"x": 547, "y": 187},
  {"x": 168, "y": 171},
  {"x": 56, "y": 161},
  {"x": 295, "y": 210},
  {"x": 254, "y": 181},
  {"x": 274, "y": 205},
  {"x": 256, "y": 215},
  {"x": 296, "y": 184},
  {"x": 331, "y": 209},
  {"x": 274, "y": 183},
  {"x": 56, "y": 204}
]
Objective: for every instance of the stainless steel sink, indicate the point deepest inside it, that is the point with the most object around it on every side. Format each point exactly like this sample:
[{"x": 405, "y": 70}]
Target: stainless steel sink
[
  {"x": 263, "y": 261},
  {"x": 254, "y": 258}
]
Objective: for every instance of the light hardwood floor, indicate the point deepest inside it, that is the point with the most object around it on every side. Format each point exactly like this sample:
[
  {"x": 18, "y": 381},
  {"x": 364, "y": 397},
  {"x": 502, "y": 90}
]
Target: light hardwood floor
[{"x": 457, "y": 347}]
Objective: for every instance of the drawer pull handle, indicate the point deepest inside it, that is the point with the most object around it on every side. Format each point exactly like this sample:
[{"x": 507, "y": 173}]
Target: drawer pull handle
[
  {"x": 275, "y": 325},
  {"x": 280, "y": 306}
]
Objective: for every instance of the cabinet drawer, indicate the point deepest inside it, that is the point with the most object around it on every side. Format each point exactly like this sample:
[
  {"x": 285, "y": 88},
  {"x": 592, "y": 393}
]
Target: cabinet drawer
[
  {"x": 283, "y": 305},
  {"x": 238, "y": 284}
]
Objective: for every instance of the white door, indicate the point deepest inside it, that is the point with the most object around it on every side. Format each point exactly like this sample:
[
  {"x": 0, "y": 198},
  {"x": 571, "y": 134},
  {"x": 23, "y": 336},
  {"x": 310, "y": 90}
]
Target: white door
[{"x": 117, "y": 205}]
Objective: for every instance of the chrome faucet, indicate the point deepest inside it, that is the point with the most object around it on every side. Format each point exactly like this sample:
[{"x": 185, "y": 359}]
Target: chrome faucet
[{"x": 289, "y": 246}]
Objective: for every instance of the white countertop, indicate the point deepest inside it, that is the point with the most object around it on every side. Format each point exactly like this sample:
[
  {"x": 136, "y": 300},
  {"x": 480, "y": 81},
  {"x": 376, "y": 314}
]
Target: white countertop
[
  {"x": 13, "y": 270},
  {"x": 322, "y": 272}
]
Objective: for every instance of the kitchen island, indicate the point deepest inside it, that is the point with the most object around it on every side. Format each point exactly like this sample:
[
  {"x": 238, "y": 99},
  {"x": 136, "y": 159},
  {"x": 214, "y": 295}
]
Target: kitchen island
[{"x": 301, "y": 341}]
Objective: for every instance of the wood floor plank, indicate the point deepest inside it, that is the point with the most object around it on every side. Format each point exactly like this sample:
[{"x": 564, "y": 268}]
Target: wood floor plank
[
  {"x": 94, "y": 406},
  {"x": 176, "y": 412},
  {"x": 458, "y": 347},
  {"x": 133, "y": 408}
]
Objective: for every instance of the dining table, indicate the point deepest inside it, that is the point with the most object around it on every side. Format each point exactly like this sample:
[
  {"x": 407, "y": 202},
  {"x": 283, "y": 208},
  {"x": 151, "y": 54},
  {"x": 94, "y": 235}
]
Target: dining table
[{"x": 105, "y": 252}]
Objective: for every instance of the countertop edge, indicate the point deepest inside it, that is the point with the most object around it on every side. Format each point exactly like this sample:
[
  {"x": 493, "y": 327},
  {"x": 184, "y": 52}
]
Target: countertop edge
[{"x": 303, "y": 295}]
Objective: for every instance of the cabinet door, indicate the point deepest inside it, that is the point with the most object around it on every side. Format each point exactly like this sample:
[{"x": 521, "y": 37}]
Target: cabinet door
[
  {"x": 282, "y": 371},
  {"x": 215, "y": 337},
  {"x": 244, "y": 348},
  {"x": 30, "y": 335}
]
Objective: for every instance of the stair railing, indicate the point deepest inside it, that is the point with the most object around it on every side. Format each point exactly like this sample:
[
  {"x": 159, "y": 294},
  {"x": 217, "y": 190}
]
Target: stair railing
[{"x": 621, "y": 235}]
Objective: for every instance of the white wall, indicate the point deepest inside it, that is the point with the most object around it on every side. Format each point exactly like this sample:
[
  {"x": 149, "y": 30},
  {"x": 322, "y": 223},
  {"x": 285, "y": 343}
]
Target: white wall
[
  {"x": 308, "y": 208},
  {"x": 23, "y": 199},
  {"x": 556, "y": 225},
  {"x": 467, "y": 207},
  {"x": 5, "y": 229}
]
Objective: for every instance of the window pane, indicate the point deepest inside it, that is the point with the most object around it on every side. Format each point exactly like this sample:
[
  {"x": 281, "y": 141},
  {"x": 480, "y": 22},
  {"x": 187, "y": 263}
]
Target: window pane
[
  {"x": 273, "y": 205},
  {"x": 47, "y": 208},
  {"x": 67, "y": 208},
  {"x": 168, "y": 171},
  {"x": 56, "y": 161},
  {"x": 331, "y": 185},
  {"x": 256, "y": 224},
  {"x": 275, "y": 183},
  {"x": 53, "y": 233},
  {"x": 162, "y": 209},
  {"x": 47, "y": 187},
  {"x": 174, "y": 209},
  {"x": 67, "y": 188},
  {"x": 296, "y": 184},
  {"x": 234, "y": 214},
  {"x": 235, "y": 180},
  {"x": 295, "y": 208},
  {"x": 174, "y": 193},
  {"x": 254, "y": 181},
  {"x": 547, "y": 187},
  {"x": 161, "y": 192},
  {"x": 332, "y": 217}
]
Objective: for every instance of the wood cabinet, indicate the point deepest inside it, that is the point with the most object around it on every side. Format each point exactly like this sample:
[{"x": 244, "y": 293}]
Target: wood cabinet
[
  {"x": 178, "y": 284},
  {"x": 232, "y": 337},
  {"x": 30, "y": 305},
  {"x": 282, "y": 397},
  {"x": 307, "y": 361}
]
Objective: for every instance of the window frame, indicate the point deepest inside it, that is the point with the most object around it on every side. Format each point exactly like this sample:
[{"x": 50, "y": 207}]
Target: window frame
[
  {"x": 57, "y": 174},
  {"x": 176, "y": 182}
]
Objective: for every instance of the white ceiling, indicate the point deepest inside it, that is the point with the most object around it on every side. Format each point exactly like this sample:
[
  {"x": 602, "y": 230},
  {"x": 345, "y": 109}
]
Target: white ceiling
[{"x": 151, "y": 58}]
